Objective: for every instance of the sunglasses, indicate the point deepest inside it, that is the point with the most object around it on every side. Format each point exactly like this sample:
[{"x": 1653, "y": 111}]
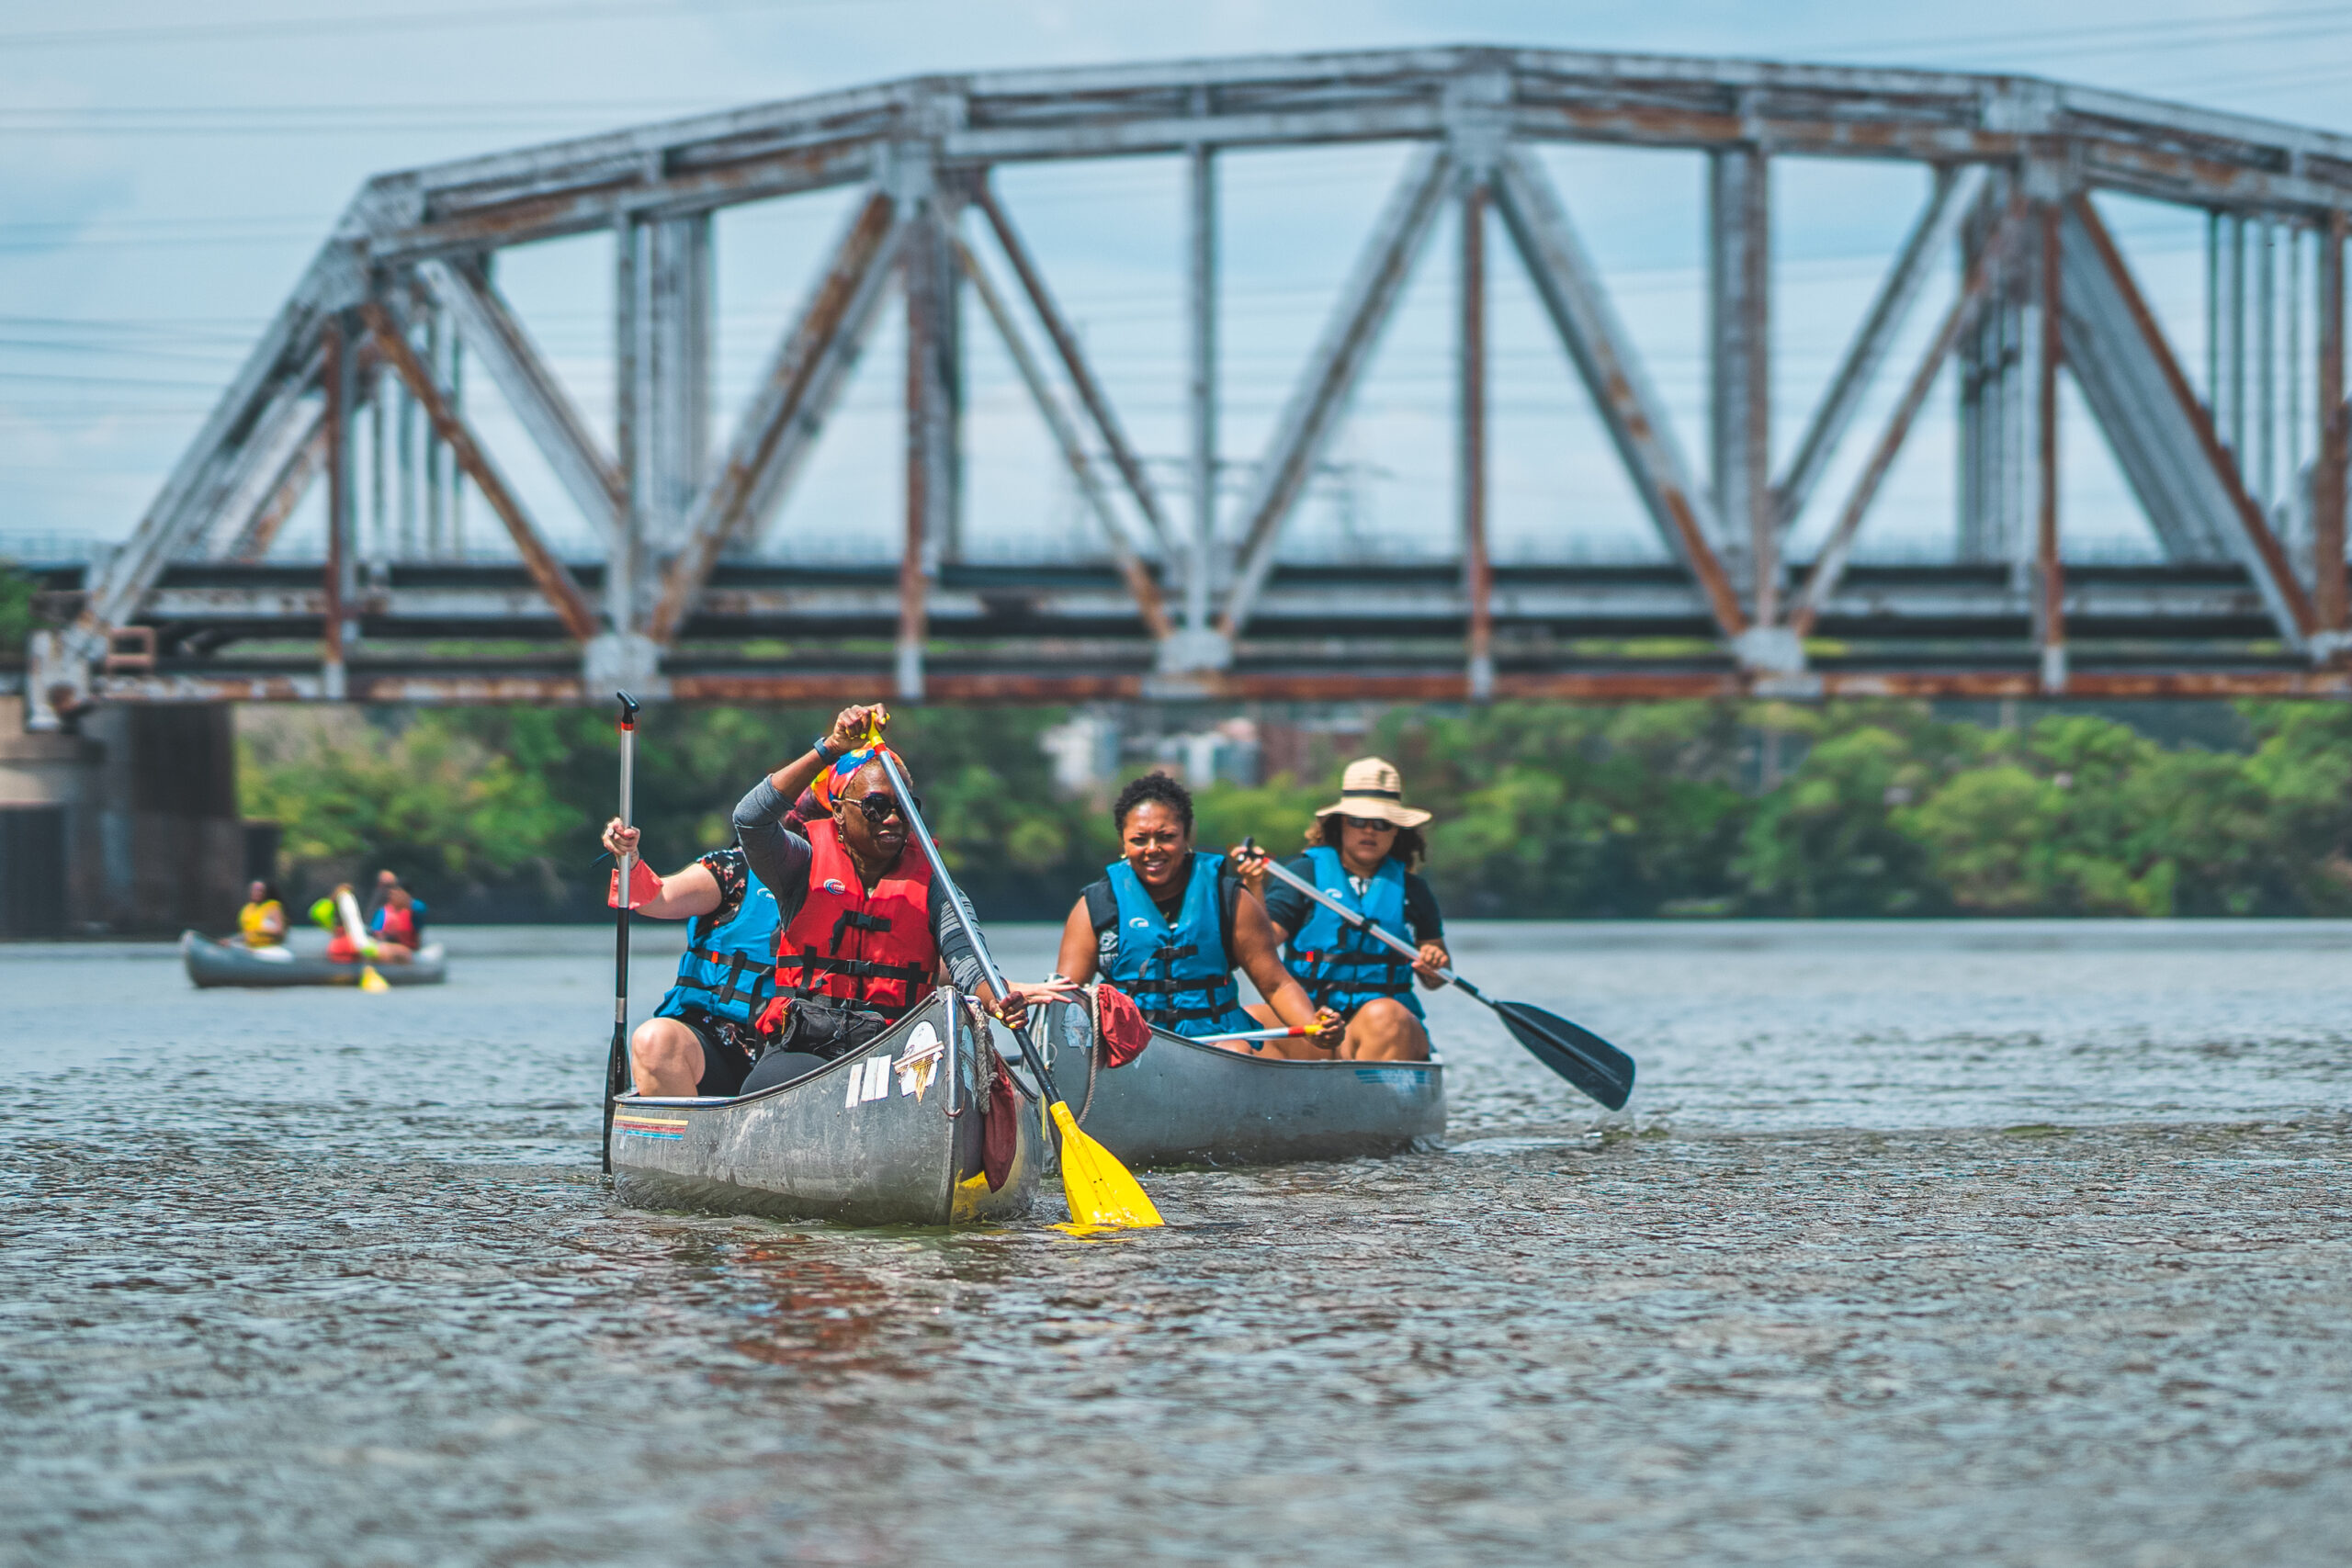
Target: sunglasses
[
  {"x": 1370, "y": 824},
  {"x": 879, "y": 808}
]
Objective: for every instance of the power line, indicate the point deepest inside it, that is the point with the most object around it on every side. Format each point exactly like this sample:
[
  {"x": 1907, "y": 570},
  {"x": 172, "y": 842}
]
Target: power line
[
  {"x": 413, "y": 21},
  {"x": 2185, "y": 32}
]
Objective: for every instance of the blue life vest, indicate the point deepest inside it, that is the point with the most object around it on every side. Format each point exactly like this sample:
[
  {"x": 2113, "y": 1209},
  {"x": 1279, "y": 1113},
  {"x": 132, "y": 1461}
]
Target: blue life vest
[
  {"x": 1178, "y": 975},
  {"x": 1340, "y": 967},
  {"x": 728, "y": 971}
]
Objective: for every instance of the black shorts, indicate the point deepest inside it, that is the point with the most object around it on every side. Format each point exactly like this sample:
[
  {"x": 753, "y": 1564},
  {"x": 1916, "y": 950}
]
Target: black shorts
[{"x": 723, "y": 1066}]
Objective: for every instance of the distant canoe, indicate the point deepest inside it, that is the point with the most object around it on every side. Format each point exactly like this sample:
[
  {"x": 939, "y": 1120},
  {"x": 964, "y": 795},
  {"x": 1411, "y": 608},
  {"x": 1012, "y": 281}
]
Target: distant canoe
[
  {"x": 1184, "y": 1103},
  {"x": 871, "y": 1139},
  {"x": 213, "y": 962}
]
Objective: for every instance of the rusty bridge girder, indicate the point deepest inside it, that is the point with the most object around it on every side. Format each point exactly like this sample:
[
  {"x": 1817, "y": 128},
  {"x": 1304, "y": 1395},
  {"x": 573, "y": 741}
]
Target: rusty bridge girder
[{"x": 2243, "y": 478}]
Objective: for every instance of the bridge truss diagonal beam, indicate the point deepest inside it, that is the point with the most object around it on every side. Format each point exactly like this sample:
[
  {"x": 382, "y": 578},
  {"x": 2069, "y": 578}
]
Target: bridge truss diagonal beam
[
  {"x": 2102, "y": 277},
  {"x": 554, "y": 579},
  {"x": 1332, "y": 369},
  {"x": 293, "y": 477},
  {"x": 1082, "y": 378},
  {"x": 290, "y": 421},
  {"x": 1955, "y": 191},
  {"x": 804, "y": 380},
  {"x": 1126, "y": 550},
  {"x": 531, "y": 389},
  {"x": 1570, "y": 287},
  {"x": 273, "y": 374},
  {"x": 2153, "y": 435},
  {"x": 1830, "y": 562}
]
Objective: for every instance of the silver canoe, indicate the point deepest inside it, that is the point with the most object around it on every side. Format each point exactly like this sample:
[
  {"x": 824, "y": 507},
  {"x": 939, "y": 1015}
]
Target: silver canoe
[
  {"x": 872, "y": 1139},
  {"x": 1184, "y": 1103},
  {"x": 213, "y": 962}
]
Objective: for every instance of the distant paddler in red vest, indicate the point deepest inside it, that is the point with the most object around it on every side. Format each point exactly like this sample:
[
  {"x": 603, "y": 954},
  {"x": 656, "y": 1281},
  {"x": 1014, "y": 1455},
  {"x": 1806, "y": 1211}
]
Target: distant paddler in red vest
[
  {"x": 348, "y": 939},
  {"x": 862, "y": 940},
  {"x": 400, "y": 923}
]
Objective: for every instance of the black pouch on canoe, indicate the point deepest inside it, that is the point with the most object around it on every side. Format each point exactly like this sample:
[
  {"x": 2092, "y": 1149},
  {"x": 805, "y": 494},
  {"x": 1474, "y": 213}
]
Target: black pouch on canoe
[
  {"x": 830, "y": 1033},
  {"x": 810, "y": 1037}
]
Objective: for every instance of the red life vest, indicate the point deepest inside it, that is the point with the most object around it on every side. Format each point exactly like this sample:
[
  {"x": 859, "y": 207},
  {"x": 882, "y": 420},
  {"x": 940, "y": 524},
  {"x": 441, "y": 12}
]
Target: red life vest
[
  {"x": 868, "y": 949},
  {"x": 399, "y": 925}
]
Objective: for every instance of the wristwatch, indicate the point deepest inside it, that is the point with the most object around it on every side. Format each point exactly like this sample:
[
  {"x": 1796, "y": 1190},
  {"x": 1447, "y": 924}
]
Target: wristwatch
[{"x": 825, "y": 753}]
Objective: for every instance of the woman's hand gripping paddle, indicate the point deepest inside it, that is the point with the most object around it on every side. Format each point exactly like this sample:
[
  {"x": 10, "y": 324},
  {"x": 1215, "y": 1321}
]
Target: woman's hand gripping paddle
[
  {"x": 617, "y": 1059},
  {"x": 1101, "y": 1190},
  {"x": 346, "y": 909},
  {"x": 1573, "y": 1052}
]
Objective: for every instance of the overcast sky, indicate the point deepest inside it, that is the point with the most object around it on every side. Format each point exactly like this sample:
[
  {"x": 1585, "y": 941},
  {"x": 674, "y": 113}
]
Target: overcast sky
[{"x": 163, "y": 180}]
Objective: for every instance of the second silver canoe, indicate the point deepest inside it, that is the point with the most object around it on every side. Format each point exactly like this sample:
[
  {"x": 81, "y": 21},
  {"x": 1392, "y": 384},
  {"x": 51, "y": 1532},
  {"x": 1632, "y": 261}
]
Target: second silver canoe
[{"x": 1184, "y": 1103}]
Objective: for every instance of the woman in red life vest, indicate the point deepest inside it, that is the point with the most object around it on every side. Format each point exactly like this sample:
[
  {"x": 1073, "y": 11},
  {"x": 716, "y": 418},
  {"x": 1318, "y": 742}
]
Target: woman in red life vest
[
  {"x": 400, "y": 926},
  {"x": 863, "y": 935},
  {"x": 376, "y": 948}
]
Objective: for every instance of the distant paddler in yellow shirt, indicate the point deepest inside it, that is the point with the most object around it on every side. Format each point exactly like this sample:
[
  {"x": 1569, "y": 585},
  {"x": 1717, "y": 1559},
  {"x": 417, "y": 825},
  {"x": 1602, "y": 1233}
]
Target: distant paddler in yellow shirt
[{"x": 262, "y": 922}]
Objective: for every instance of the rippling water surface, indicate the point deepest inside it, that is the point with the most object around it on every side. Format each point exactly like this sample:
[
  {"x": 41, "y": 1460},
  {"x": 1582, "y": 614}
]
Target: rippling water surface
[{"x": 2003, "y": 1244}]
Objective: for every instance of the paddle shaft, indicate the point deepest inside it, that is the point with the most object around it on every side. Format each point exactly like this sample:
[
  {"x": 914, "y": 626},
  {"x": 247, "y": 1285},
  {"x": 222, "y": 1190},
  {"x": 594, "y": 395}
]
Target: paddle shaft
[
  {"x": 1590, "y": 1073},
  {"x": 1292, "y": 1032},
  {"x": 617, "y": 1060},
  {"x": 1361, "y": 922},
  {"x": 346, "y": 911},
  {"x": 963, "y": 912}
]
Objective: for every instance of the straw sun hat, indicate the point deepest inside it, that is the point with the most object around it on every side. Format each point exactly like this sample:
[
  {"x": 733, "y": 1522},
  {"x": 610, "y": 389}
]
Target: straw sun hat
[{"x": 1372, "y": 787}]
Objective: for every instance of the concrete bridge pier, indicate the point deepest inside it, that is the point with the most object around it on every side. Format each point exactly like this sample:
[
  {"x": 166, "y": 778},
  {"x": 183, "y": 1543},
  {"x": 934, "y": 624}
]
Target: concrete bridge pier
[{"x": 129, "y": 827}]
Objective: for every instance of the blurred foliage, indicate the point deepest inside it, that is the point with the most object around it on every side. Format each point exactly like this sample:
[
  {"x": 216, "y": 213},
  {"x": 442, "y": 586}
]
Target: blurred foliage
[
  {"x": 1861, "y": 809},
  {"x": 16, "y": 591},
  {"x": 1551, "y": 810},
  {"x": 445, "y": 811}
]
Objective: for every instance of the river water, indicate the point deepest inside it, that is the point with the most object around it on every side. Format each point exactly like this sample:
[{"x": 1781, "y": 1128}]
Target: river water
[{"x": 1983, "y": 1244}]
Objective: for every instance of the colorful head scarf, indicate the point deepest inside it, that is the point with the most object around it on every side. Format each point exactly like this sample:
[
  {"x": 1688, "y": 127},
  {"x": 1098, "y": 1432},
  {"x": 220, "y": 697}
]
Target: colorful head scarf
[{"x": 833, "y": 780}]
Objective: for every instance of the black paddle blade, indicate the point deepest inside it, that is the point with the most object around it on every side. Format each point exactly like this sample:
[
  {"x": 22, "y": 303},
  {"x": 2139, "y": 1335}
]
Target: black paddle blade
[{"x": 1573, "y": 1052}]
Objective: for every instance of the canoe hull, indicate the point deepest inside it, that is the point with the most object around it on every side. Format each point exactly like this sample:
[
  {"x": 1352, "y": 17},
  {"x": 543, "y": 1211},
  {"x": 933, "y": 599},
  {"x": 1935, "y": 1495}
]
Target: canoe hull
[
  {"x": 1185, "y": 1103},
  {"x": 860, "y": 1142},
  {"x": 211, "y": 963}
]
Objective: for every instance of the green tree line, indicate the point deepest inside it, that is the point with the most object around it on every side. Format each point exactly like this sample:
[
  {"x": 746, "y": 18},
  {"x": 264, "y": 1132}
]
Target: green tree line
[
  {"x": 16, "y": 591},
  {"x": 1543, "y": 811}
]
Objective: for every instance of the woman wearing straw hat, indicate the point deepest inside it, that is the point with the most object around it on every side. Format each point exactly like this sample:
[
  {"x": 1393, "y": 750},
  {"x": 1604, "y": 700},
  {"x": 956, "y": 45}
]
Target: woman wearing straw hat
[{"x": 1360, "y": 850}]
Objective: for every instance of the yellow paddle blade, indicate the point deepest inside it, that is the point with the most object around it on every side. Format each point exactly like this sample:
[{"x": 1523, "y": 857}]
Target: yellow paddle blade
[
  {"x": 1101, "y": 1191},
  {"x": 371, "y": 982}
]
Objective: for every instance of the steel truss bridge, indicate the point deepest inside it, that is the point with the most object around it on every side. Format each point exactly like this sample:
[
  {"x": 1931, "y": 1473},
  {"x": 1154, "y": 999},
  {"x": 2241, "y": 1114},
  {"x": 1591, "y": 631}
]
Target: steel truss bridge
[{"x": 1188, "y": 599}]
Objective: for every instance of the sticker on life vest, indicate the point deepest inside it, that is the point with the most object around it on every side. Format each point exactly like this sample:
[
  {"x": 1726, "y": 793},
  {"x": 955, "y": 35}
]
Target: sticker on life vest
[
  {"x": 835, "y": 885},
  {"x": 869, "y": 1080},
  {"x": 1140, "y": 922},
  {"x": 919, "y": 1065}
]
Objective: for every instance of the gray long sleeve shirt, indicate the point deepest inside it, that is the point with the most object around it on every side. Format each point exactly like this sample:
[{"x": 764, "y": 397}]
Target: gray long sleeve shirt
[{"x": 781, "y": 858}]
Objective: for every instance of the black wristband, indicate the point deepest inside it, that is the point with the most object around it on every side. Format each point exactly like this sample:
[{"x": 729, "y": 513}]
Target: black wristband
[{"x": 825, "y": 754}]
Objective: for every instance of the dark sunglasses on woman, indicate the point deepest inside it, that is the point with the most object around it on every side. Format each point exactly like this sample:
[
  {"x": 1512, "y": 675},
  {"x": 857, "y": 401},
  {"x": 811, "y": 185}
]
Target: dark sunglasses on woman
[{"x": 879, "y": 808}]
